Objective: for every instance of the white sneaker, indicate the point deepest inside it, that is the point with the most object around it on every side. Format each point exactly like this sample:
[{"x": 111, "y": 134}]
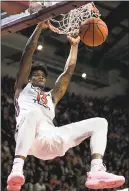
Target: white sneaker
[
  {"x": 101, "y": 179},
  {"x": 15, "y": 181}
]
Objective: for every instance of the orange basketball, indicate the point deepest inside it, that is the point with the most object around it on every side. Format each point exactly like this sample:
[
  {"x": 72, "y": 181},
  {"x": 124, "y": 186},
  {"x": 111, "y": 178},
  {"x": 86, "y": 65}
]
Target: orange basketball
[
  {"x": 93, "y": 31},
  {"x": 14, "y": 7}
]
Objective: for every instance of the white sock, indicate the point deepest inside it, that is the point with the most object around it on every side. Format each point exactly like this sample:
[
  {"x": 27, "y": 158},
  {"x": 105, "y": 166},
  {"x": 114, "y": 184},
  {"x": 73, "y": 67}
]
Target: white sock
[
  {"x": 95, "y": 164},
  {"x": 18, "y": 165}
]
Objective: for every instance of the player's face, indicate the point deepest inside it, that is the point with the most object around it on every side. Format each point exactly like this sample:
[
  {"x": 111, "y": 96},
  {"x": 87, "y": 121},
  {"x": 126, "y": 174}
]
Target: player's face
[{"x": 38, "y": 78}]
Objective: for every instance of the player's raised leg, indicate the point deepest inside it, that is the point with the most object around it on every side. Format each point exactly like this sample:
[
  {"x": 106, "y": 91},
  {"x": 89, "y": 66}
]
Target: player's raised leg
[
  {"x": 97, "y": 128},
  {"x": 25, "y": 138}
]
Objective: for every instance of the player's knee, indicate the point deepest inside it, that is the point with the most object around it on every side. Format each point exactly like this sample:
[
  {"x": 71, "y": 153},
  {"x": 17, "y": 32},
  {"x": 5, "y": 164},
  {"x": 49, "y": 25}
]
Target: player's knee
[{"x": 102, "y": 124}]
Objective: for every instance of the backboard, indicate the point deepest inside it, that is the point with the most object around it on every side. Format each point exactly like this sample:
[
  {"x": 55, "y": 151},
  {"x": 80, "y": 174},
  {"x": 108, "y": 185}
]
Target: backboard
[{"x": 12, "y": 24}]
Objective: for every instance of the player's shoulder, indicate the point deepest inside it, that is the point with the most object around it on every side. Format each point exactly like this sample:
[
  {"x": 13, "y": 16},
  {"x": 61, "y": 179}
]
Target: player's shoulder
[{"x": 19, "y": 90}]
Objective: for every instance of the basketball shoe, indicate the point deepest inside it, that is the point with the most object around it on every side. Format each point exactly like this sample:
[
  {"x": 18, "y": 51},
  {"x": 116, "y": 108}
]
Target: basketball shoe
[
  {"x": 101, "y": 179},
  {"x": 15, "y": 181}
]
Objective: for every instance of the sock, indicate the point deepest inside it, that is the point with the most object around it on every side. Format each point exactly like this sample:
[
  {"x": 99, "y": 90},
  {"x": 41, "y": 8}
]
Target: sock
[
  {"x": 18, "y": 164},
  {"x": 95, "y": 164}
]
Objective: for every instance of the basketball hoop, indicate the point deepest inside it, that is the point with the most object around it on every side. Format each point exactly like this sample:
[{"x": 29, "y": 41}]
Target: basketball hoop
[{"x": 70, "y": 23}]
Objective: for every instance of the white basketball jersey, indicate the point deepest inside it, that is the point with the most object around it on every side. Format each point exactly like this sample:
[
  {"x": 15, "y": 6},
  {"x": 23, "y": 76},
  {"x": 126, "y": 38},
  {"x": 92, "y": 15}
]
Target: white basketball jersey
[{"x": 33, "y": 98}]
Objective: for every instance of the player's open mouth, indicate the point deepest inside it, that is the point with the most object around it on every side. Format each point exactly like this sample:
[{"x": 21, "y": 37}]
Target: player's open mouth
[{"x": 41, "y": 81}]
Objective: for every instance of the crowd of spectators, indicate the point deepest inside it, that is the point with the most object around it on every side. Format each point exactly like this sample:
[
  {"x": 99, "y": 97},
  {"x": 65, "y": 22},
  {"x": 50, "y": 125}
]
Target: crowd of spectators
[{"x": 67, "y": 173}]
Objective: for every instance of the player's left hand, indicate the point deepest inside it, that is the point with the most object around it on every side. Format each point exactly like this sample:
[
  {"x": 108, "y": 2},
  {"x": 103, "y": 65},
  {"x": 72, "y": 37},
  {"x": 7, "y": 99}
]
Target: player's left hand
[
  {"x": 45, "y": 24},
  {"x": 74, "y": 41}
]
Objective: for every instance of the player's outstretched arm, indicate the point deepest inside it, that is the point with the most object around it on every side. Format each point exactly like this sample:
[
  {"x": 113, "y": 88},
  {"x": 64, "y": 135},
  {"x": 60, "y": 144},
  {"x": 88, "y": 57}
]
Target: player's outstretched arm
[
  {"x": 26, "y": 60},
  {"x": 63, "y": 80}
]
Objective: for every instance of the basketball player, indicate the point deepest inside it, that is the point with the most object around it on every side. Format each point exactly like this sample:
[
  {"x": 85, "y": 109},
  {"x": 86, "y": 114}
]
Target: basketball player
[{"x": 35, "y": 109}]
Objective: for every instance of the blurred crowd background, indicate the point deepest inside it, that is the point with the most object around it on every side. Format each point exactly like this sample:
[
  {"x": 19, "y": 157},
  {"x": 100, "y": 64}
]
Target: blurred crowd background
[{"x": 68, "y": 173}]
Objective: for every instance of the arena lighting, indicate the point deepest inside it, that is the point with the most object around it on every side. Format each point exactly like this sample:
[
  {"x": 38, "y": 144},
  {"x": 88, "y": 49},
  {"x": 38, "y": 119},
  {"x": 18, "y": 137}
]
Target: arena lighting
[
  {"x": 40, "y": 47},
  {"x": 84, "y": 75}
]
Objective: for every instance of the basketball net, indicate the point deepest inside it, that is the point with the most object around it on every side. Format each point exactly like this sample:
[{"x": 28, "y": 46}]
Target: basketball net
[{"x": 70, "y": 23}]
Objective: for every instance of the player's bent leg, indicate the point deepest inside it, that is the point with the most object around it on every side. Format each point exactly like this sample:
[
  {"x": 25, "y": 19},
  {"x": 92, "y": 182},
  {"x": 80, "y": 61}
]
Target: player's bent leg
[
  {"x": 24, "y": 140},
  {"x": 97, "y": 128}
]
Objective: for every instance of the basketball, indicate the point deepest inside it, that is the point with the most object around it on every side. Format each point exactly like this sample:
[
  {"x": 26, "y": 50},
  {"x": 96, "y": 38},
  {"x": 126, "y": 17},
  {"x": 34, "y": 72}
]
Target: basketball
[
  {"x": 93, "y": 32},
  {"x": 13, "y": 7}
]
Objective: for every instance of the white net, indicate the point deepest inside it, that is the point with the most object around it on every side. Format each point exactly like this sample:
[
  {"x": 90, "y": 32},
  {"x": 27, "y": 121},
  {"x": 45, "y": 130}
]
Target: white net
[{"x": 70, "y": 23}]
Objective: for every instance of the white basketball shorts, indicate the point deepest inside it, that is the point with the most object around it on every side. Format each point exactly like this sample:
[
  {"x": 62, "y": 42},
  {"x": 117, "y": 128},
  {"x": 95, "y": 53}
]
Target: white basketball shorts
[{"x": 51, "y": 142}]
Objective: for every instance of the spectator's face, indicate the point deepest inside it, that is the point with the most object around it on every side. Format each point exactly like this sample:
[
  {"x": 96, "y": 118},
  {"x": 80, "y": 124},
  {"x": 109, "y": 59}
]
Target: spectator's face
[
  {"x": 31, "y": 180},
  {"x": 127, "y": 174},
  {"x": 28, "y": 164},
  {"x": 65, "y": 186},
  {"x": 61, "y": 162},
  {"x": 5, "y": 143},
  {"x": 46, "y": 168},
  {"x": 63, "y": 178},
  {"x": 78, "y": 173},
  {"x": 41, "y": 180},
  {"x": 38, "y": 78},
  {"x": 33, "y": 165},
  {"x": 110, "y": 169}
]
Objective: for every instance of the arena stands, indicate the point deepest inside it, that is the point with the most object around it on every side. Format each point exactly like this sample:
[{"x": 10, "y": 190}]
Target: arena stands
[{"x": 67, "y": 173}]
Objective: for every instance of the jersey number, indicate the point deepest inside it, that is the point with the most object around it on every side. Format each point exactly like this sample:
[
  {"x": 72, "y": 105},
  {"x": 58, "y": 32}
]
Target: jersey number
[{"x": 43, "y": 97}]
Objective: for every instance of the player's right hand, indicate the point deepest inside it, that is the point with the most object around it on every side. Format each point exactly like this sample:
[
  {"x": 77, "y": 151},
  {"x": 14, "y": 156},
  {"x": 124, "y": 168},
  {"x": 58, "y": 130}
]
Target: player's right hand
[{"x": 73, "y": 41}]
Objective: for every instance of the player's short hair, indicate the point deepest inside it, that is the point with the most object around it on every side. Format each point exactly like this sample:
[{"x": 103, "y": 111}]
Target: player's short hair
[{"x": 41, "y": 67}]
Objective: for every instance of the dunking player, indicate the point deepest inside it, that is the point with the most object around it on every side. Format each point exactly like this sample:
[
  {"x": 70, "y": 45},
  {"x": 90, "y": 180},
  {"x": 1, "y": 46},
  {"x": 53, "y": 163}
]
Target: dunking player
[{"x": 35, "y": 109}]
